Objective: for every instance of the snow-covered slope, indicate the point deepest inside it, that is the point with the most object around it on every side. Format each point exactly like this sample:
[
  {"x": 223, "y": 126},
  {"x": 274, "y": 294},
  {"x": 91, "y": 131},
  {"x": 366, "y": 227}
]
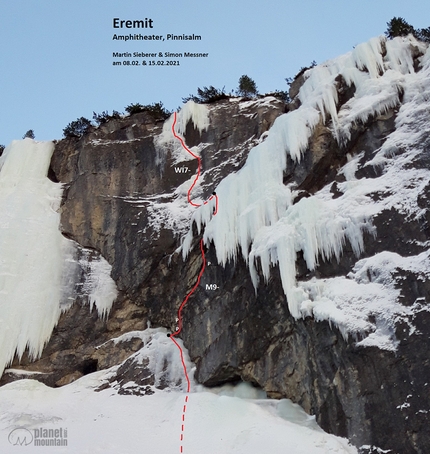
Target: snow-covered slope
[
  {"x": 229, "y": 420},
  {"x": 111, "y": 424}
]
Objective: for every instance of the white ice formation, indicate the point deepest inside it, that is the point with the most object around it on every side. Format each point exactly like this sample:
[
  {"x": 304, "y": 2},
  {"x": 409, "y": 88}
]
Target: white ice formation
[
  {"x": 257, "y": 217},
  {"x": 36, "y": 261},
  {"x": 198, "y": 115}
]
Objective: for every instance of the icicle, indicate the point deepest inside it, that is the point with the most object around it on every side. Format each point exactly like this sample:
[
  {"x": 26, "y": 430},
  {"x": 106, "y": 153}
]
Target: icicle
[
  {"x": 368, "y": 56},
  {"x": 197, "y": 113}
]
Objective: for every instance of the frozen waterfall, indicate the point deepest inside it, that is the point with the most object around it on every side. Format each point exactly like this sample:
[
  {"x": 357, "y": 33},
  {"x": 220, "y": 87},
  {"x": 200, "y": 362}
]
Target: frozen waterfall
[{"x": 34, "y": 255}]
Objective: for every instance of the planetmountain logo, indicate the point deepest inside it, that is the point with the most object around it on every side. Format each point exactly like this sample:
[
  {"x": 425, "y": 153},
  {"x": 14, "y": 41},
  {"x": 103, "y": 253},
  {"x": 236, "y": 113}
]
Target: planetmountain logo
[
  {"x": 39, "y": 437},
  {"x": 20, "y": 437}
]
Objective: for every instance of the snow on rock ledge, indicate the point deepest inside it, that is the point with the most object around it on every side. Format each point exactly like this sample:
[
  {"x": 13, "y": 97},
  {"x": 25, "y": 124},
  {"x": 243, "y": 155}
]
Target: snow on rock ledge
[{"x": 156, "y": 365}]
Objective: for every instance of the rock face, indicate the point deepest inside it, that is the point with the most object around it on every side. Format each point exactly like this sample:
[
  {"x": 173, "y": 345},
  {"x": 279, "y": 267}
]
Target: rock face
[
  {"x": 120, "y": 185},
  {"x": 112, "y": 176}
]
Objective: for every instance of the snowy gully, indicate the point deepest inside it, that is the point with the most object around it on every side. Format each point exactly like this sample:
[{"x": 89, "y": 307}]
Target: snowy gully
[{"x": 184, "y": 302}]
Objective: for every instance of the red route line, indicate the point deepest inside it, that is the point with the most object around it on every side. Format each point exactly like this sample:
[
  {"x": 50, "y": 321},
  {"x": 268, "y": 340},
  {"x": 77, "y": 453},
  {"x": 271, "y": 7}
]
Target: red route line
[
  {"x": 199, "y": 167},
  {"x": 184, "y": 302},
  {"x": 181, "y": 307}
]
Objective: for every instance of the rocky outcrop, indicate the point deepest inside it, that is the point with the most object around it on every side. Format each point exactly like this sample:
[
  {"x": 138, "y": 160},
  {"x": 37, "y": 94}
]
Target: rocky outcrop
[{"x": 116, "y": 178}]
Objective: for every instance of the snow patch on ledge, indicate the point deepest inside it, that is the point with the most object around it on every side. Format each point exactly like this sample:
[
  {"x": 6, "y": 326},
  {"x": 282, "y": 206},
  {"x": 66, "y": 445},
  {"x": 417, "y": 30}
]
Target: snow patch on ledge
[
  {"x": 160, "y": 355},
  {"x": 23, "y": 372}
]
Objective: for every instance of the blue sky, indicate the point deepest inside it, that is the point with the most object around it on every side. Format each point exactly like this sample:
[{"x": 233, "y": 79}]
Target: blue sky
[{"x": 56, "y": 55}]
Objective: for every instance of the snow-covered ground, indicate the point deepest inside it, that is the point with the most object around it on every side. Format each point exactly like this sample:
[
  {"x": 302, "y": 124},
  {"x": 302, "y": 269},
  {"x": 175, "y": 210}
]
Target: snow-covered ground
[
  {"x": 229, "y": 419},
  {"x": 107, "y": 423}
]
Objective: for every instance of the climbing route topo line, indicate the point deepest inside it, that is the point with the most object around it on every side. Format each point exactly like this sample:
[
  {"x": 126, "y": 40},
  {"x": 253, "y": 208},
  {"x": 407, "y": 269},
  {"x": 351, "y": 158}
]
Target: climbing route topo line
[
  {"x": 184, "y": 302},
  {"x": 194, "y": 288},
  {"x": 199, "y": 167}
]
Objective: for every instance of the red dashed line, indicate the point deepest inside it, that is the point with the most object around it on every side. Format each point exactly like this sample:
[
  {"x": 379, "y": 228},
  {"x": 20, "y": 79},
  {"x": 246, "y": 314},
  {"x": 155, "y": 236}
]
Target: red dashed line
[{"x": 184, "y": 302}]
